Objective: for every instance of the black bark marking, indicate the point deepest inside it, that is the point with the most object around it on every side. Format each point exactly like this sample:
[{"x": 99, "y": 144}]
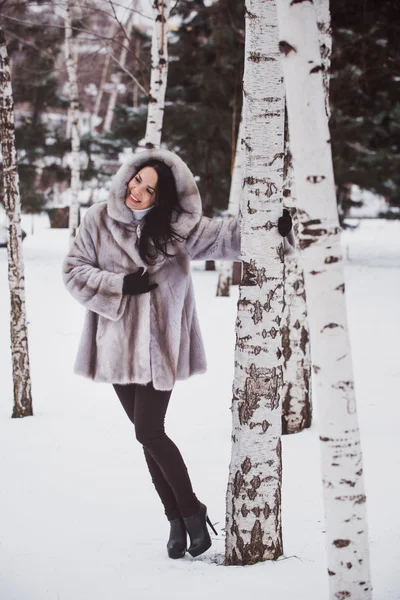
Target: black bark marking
[
  {"x": 304, "y": 244},
  {"x": 316, "y": 178},
  {"x": 317, "y": 69},
  {"x": 246, "y": 465},
  {"x": 349, "y": 565},
  {"x": 325, "y": 439},
  {"x": 286, "y": 349},
  {"x": 271, "y": 189},
  {"x": 257, "y": 57},
  {"x": 315, "y": 272},
  {"x": 265, "y": 426},
  {"x": 342, "y": 595},
  {"x": 241, "y": 341},
  {"x": 331, "y": 573},
  {"x": 332, "y": 326},
  {"x": 250, "y": 210},
  {"x": 331, "y": 259},
  {"x": 341, "y": 543},
  {"x": 261, "y": 385},
  {"x": 300, "y": 1},
  {"x": 285, "y": 48},
  {"x": 348, "y": 482},
  {"x": 249, "y": 277},
  {"x": 273, "y": 332},
  {"x": 244, "y": 510},
  {"x": 316, "y": 369},
  {"x": 237, "y": 484},
  {"x": 340, "y": 288},
  {"x": 304, "y": 340}
]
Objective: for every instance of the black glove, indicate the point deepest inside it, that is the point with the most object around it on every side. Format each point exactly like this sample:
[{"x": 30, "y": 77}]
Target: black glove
[
  {"x": 285, "y": 223},
  {"x": 137, "y": 283}
]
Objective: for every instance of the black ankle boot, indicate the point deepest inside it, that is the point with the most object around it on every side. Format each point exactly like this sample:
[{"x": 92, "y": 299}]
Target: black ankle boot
[
  {"x": 196, "y": 526},
  {"x": 176, "y": 546}
]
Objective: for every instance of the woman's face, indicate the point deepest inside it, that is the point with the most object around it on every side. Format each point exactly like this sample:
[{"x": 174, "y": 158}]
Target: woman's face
[{"x": 142, "y": 189}]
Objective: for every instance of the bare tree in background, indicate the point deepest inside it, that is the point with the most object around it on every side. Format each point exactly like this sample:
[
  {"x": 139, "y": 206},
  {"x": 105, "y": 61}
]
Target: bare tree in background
[
  {"x": 18, "y": 324},
  {"x": 225, "y": 268},
  {"x": 71, "y": 64}
]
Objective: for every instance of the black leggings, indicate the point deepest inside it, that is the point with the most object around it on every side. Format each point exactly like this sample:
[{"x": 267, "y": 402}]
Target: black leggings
[{"x": 146, "y": 408}]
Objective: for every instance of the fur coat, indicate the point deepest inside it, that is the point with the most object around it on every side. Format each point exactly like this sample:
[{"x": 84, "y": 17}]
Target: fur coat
[{"x": 154, "y": 336}]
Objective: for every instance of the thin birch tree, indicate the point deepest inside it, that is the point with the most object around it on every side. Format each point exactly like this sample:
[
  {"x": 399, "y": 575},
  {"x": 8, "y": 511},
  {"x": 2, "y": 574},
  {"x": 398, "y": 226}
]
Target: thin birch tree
[
  {"x": 253, "y": 502},
  {"x": 112, "y": 101},
  {"x": 319, "y": 240},
  {"x": 18, "y": 323},
  {"x": 159, "y": 74},
  {"x": 72, "y": 72},
  {"x": 225, "y": 267},
  {"x": 296, "y": 403}
]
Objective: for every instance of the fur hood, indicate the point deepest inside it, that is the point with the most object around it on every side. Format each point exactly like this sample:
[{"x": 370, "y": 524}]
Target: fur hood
[{"x": 188, "y": 192}]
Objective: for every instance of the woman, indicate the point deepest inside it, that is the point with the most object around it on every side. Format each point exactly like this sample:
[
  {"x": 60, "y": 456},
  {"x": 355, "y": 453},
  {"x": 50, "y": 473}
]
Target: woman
[{"x": 130, "y": 267}]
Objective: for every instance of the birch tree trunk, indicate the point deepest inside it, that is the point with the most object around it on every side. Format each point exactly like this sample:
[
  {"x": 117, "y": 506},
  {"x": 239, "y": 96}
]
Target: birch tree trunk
[
  {"x": 99, "y": 97},
  {"x": 71, "y": 63},
  {"x": 225, "y": 268},
  {"x": 12, "y": 201},
  {"x": 159, "y": 74},
  {"x": 253, "y": 521},
  {"x": 296, "y": 404},
  {"x": 117, "y": 77},
  {"x": 325, "y": 44},
  {"x": 135, "y": 94},
  {"x": 319, "y": 240}
]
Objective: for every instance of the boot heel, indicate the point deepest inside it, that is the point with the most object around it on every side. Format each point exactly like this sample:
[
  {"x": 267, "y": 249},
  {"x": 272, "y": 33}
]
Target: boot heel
[{"x": 211, "y": 525}]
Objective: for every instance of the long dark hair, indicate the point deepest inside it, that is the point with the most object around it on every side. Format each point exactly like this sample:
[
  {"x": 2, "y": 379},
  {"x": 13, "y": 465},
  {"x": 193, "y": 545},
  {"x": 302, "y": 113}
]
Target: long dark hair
[{"x": 157, "y": 227}]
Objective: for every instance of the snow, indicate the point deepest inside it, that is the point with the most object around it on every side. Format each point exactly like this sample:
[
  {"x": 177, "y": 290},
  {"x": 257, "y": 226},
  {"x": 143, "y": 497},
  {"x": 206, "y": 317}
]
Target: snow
[{"x": 79, "y": 518}]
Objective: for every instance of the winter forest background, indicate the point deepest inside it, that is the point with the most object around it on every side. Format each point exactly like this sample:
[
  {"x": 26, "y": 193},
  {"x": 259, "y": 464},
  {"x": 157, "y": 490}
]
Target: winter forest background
[
  {"x": 203, "y": 98},
  {"x": 78, "y": 516}
]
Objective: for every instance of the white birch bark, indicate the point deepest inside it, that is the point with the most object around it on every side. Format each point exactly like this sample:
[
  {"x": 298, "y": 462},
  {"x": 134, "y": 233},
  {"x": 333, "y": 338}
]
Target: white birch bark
[
  {"x": 319, "y": 240},
  {"x": 72, "y": 68},
  {"x": 225, "y": 267},
  {"x": 253, "y": 521},
  {"x": 135, "y": 95},
  {"x": 117, "y": 77},
  {"x": 296, "y": 404},
  {"x": 159, "y": 74},
  {"x": 99, "y": 97},
  {"x": 325, "y": 44},
  {"x": 18, "y": 324}
]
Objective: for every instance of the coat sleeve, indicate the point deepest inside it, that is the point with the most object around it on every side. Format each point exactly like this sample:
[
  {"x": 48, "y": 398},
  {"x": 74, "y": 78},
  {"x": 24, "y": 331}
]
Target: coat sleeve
[
  {"x": 214, "y": 239},
  {"x": 99, "y": 291}
]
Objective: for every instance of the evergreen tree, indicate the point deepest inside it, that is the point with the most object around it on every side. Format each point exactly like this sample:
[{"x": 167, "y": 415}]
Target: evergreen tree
[
  {"x": 33, "y": 50},
  {"x": 365, "y": 92}
]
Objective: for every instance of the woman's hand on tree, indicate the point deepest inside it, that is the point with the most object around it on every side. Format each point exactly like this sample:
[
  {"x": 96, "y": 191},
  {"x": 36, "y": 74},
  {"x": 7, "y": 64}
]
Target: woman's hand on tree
[{"x": 285, "y": 223}]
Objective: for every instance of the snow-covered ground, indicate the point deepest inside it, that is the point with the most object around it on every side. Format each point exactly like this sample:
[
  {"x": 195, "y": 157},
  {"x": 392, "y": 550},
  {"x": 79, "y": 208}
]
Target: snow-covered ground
[{"x": 79, "y": 519}]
